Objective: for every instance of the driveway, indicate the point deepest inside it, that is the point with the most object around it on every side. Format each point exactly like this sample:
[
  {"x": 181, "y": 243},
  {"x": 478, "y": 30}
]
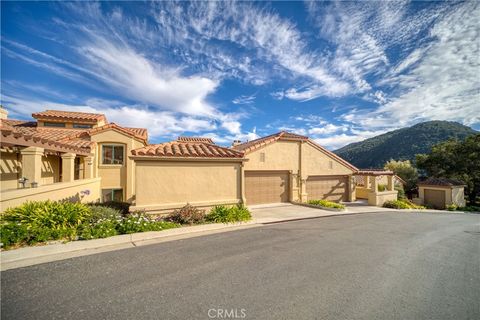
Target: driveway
[
  {"x": 287, "y": 211},
  {"x": 385, "y": 265}
]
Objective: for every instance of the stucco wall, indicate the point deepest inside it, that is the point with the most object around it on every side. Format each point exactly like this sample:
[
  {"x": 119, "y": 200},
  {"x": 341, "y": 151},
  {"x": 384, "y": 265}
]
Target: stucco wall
[
  {"x": 117, "y": 176},
  {"x": 165, "y": 185},
  {"x": 281, "y": 155},
  {"x": 379, "y": 198},
  {"x": 50, "y": 169},
  {"x": 458, "y": 196},
  {"x": 59, "y": 191},
  {"x": 316, "y": 162},
  {"x": 362, "y": 193},
  {"x": 10, "y": 169}
]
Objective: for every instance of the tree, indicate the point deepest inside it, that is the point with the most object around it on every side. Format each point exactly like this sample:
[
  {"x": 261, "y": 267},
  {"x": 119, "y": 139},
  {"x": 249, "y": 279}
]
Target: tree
[
  {"x": 459, "y": 160},
  {"x": 404, "y": 170}
]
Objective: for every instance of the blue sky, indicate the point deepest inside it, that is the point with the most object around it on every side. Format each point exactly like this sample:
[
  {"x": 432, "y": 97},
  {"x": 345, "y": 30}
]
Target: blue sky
[{"x": 338, "y": 72}]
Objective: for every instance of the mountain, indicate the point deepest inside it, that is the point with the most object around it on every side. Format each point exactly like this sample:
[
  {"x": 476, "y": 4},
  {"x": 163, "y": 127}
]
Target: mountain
[{"x": 402, "y": 144}]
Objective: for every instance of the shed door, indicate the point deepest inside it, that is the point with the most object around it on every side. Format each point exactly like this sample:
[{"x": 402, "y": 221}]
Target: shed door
[
  {"x": 332, "y": 188},
  {"x": 435, "y": 198},
  {"x": 266, "y": 187}
]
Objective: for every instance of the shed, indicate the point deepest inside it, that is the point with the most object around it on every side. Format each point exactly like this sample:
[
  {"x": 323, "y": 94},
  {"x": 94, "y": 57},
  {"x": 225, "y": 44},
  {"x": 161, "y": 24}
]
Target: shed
[{"x": 441, "y": 192}]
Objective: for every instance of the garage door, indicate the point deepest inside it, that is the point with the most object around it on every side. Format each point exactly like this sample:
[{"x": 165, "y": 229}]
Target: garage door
[
  {"x": 332, "y": 188},
  {"x": 435, "y": 198},
  {"x": 266, "y": 187}
]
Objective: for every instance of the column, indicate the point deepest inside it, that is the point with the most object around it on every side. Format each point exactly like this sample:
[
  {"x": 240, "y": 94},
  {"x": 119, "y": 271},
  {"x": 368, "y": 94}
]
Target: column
[
  {"x": 68, "y": 167},
  {"x": 374, "y": 184},
  {"x": 242, "y": 182},
  {"x": 88, "y": 167},
  {"x": 32, "y": 164},
  {"x": 390, "y": 183}
]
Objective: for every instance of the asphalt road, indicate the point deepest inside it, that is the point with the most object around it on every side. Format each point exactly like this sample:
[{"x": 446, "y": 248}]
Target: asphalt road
[{"x": 370, "y": 266}]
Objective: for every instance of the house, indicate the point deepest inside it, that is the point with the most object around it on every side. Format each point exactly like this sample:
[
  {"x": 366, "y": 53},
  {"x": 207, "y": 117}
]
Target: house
[
  {"x": 67, "y": 155},
  {"x": 439, "y": 193},
  {"x": 82, "y": 157},
  {"x": 283, "y": 167}
]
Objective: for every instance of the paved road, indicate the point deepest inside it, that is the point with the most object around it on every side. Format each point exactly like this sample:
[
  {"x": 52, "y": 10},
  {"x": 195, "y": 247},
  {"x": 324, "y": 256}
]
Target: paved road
[{"x": 370, "y": 266}]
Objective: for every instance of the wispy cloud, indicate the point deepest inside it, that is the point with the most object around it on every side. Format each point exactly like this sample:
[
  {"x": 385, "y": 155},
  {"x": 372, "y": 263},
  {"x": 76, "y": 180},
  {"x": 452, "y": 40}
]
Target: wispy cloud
[{"x": 244, "y": 99}]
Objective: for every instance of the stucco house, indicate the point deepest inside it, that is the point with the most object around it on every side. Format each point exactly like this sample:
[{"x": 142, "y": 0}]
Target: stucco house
[
  {"x": 283, "y": 167},
  {"x": 67, "y": 155},
  {"x": 80, "y": 156}
]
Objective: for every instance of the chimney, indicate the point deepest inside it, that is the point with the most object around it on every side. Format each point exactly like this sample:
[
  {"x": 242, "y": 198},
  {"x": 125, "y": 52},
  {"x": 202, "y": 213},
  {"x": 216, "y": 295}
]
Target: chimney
[
  {"x": 236, "y": 143},
  {"x": 3, "y": 113}
]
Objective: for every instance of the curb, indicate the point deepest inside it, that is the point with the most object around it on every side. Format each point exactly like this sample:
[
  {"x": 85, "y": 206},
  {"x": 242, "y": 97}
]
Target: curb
[{"x": 28, "y": 256}]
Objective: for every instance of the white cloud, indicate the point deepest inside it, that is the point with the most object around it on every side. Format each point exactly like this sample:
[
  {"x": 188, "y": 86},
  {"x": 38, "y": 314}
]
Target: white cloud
[
  {"x": 327, "y": 129},
  {"x": 244, "y": 99}
]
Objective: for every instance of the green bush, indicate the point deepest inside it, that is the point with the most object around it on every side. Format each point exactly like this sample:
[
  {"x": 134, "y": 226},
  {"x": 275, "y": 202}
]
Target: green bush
[
  {"x": 469, "y": 208},
  {"x": 187, "y": 215},
  {"x": 326, "y": 204},
  {"x": 42, "y": 221},
  {"x": 401, "y": 193},
  {"x": 139, "y": 222},
  {"x": 401, "y": 204},
  {"x": 102, "y": 213},
  {"x": 122, "y": 207},
  {"x": 223, "y": 214},
  {"x": 382, "y": 187},
  {"x": 452, "y": 207}
]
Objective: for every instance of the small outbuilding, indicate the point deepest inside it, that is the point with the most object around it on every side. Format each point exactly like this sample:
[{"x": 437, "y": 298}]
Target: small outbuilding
[{"x": 441, "y": 192}]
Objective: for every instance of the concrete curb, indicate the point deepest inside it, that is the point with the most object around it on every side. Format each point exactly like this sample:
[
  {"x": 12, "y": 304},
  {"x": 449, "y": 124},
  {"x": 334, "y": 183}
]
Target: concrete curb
[{"x": 28, "y": 256}]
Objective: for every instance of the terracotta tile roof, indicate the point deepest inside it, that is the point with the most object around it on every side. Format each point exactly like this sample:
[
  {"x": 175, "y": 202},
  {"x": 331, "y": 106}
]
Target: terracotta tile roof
[
  {"x": 195, "y": 139},
  {"x": 441, "y": 182},
  {"x": 139, "y": 133},
  {"x": 50, "y": 139},
  {"x": 69, "y": 115},
  {"x": 186, "y": 150},
  {"x": 260, "y": 142}
]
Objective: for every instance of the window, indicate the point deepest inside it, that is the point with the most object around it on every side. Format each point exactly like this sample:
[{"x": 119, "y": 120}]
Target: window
[
  {"x": 330, "y": 164},
  {"x": 112, "y": 195},
  {"x": 82, "y": 126},
  {"x": 112, "y": 154},
  {"x": 54, "y": 124}
]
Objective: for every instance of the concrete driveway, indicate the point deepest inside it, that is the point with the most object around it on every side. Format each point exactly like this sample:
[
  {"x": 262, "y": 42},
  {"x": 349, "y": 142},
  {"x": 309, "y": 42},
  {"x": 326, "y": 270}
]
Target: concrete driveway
[{"x": 276, "y": 212}]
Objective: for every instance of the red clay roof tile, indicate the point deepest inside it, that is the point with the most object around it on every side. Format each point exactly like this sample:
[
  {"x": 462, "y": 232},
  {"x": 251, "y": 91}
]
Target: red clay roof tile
[
  {"x": 69, "y": 115},
  {"x": 187, "y": 150}
]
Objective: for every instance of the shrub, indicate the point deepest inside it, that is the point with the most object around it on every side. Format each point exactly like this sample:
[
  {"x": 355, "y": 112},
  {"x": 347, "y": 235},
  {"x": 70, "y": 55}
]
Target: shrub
[
  {"x": 43, "y": 221},
  {"x": 102, "y": 213},
  {"x": 401, "y": 204},
  {"x": 401, "y": 193},
  {"x": 469, "y": 208},
  {"x": 452, "y": 207},
  {"x": 382, "y": 187},
  {"x": 139, "y": 222},
  {"x": 122, "y": 207},
  {"x": 187, "y": 215},
  {"x": 102, "y": 228},
  {"x": 223, "y": 214},
  {"x": 326, "y": 204}
]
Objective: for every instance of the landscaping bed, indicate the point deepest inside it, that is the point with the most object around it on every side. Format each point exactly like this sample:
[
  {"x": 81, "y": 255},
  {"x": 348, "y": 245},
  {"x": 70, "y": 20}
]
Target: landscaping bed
[
  {"x": 323, "y": 204},
  {"x": 402, "y": 204},
  {"x": 41, "y": 222}
]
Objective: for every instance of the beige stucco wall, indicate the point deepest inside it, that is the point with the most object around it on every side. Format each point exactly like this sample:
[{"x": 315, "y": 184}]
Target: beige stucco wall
[
  {"x": 10, "y": 169},
  {"x": 379, "y": 198},
  {"x": 59, "y": 191},
  {"x": 362, "y": 192},
  {"x": 303, "y": 160},
  {"x": 50, "y": 169},
  {"x": 281, "y": 155},
  {"x": 163, "y": 185},
  {"x": 117, "y": 176},
  {"x": 316, "y": 163}
]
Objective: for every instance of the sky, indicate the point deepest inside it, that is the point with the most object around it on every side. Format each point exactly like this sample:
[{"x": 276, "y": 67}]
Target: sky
[{"x": 338, "y": 72}]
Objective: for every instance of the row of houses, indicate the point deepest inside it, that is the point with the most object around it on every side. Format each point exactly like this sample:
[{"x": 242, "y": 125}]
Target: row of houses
[{"x": 82, "y": 157}]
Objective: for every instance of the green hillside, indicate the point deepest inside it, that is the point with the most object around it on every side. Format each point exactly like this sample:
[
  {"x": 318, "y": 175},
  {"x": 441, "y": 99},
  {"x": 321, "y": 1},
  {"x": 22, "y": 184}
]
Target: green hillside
[{"x": 402, "y": 144}]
